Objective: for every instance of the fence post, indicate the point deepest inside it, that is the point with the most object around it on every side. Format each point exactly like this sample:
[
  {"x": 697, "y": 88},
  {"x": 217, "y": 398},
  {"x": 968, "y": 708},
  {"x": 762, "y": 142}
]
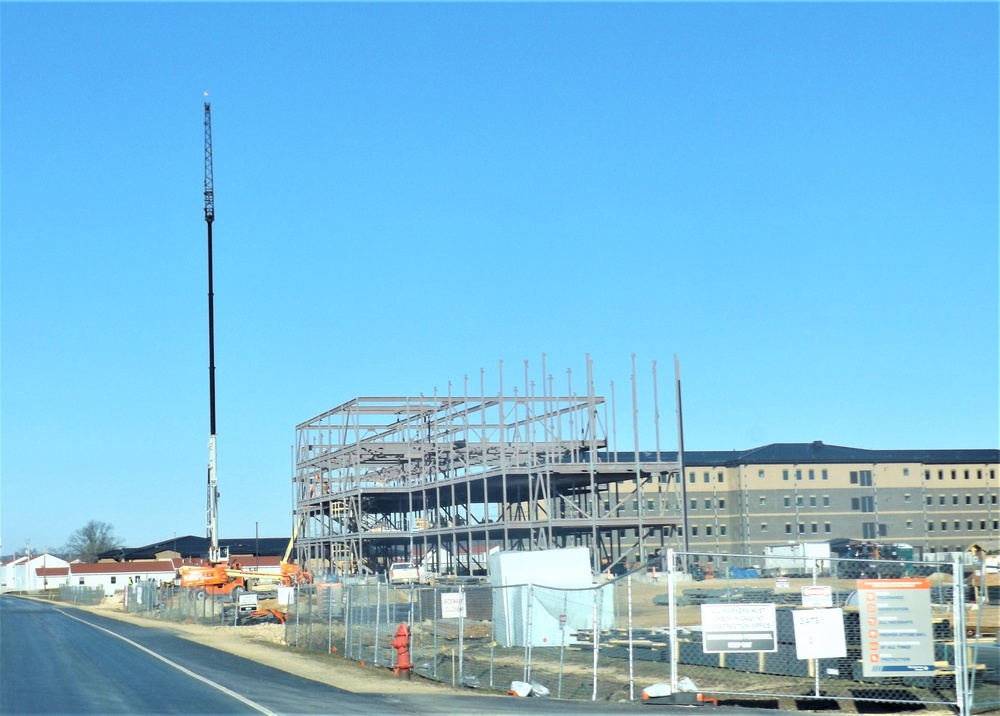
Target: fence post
[
  {"x": 348, "y": 641},
  {"x": 526, "y": 630},
  {"x": 980, "y": 595},
  {"x": 672, "y": 615},
  {"x": 597, "y": 643},
  {"x": 958, "y": 635},
  {"x": 437, "y": 617},
  {"x": 562, "y": 648},
  {"x": 378, "y": 615},
  {"x": 631, "y": 672},
  {"x": 815, "y": 662},
  {"x": 461, "y": 634},
  {"x": 493, "y": 631}
]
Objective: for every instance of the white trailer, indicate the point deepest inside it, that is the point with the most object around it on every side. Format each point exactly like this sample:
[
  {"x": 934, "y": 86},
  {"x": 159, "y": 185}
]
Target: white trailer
[{"x": 797, "y": 558}]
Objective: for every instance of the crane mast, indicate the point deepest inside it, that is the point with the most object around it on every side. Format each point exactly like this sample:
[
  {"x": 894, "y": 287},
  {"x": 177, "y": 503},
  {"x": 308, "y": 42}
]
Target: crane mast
[{"x": 213, "y": 492}]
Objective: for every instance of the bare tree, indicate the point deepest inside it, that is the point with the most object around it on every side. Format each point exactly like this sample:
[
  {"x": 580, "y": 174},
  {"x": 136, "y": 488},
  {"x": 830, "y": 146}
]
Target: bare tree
[{"x": 91, "y": 540}]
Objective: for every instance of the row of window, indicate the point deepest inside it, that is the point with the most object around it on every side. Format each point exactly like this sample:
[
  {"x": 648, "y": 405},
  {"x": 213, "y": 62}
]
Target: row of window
[
  {"x": 798, "y": 475},
  {"x": 721, "y": 503},
  {"x": 969, "y": 525},
  {"x": 800, "y": 500},
  {"x": 813, "y": 528},
  {"x": 954, "y": 474},
  {"x": 943, "y": 499},
  {"x": 862, "y": 478},
  {"x": 706, "y": 477},
  {"x": 865, "y": 503},
  {"x": 708, "y": 531}
]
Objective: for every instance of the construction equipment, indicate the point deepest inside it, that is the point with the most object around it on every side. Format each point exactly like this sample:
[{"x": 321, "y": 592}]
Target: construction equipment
[
  {"x": 231, "y": 578},
  {"x": 873, "y": 559},
  {"x": 212, "y": 520},
  {"x": 220, "y": 575}
]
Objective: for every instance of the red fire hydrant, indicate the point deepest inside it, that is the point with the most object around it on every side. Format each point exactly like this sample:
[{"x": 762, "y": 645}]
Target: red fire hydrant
[{"x": 401, "y": 643}]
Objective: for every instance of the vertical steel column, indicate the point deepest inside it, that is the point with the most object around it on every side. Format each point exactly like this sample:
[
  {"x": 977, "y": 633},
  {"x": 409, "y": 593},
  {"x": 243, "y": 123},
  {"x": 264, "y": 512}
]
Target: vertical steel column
[
  {"x": 595, "y": 556},
  {"x": 640, "y": 530},
  {"x": 680, "y": 458}
]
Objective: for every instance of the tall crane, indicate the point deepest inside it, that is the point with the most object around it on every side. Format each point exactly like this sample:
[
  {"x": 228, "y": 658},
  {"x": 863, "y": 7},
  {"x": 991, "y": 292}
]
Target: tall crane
[{"x": 213, "y": 486}]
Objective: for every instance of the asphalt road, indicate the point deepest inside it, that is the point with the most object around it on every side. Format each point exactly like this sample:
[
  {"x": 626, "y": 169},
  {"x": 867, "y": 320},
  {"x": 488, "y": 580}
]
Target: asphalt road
[{"x": 60, "y": 660}]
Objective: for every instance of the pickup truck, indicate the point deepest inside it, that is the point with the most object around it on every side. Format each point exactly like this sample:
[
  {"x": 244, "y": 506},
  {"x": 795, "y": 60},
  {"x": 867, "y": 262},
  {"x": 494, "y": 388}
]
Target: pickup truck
[{"x": 404, "y": 573}]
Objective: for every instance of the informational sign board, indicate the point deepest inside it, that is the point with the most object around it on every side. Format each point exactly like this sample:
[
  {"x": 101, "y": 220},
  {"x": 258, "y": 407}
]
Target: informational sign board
[
  {"x": 782, "y": 583},
  {"x": 453, "y": 605},
  {"x": 248, "y": 601},
  {"x": 817, "y": 597},
  {"x": 738, "y": 628},
  {"x": 819, "y": 633},
  {"x": 897, "y": 633}
]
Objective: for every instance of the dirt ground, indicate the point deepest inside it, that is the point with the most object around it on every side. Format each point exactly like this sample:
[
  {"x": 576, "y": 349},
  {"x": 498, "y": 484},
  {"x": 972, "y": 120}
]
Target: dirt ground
[{"x": 265, "y": 644}]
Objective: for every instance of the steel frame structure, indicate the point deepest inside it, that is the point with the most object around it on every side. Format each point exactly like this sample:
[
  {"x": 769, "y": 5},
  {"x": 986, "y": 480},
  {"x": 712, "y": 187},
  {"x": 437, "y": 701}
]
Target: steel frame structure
[{"x": 385, "y": 479}]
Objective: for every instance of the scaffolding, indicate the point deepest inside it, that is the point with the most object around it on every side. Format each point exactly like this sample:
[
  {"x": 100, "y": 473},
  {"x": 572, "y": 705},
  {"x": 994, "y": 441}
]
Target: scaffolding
[{"x": 443, "y": 480}]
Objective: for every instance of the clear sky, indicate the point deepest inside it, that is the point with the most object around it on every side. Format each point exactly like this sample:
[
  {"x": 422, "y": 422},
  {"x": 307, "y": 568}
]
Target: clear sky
[{"x": 800, "y": 200}]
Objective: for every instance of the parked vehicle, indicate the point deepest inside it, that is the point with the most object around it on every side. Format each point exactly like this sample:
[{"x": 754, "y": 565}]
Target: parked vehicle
[
  {"x": 404, "y": 573},
  {"x": 796, "y": 559}
]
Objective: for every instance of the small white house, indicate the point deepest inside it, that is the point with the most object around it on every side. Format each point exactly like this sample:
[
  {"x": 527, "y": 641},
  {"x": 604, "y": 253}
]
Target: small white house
[
  {"x": 115, "y": 576},
  {"x": 21, "y": 574}
]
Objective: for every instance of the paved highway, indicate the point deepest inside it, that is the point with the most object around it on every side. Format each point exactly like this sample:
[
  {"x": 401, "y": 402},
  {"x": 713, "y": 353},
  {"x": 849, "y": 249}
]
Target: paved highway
[{"x": 59, "y": 660}]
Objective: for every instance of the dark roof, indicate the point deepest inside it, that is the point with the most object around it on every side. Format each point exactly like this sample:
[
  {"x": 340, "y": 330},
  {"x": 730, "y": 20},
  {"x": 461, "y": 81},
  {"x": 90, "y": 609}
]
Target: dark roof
[
  {"x": 191, "y": 546},
  {"x": 815, "y": 453}
]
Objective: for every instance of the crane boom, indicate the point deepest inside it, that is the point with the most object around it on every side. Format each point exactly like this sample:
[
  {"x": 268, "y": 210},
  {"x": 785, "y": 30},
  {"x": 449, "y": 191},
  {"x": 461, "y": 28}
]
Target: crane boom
[{"x": 212, "y": 519}]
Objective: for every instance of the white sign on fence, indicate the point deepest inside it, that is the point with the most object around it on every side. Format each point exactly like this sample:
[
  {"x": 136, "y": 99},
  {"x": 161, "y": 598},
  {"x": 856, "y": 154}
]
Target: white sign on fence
[
  {"x": 453, "y": 605},
  {"x": 248, "y": 601},
  {"x": 738, "y": 627},
  {"x": 819, "y": 633},
  {"x": 817, "y": 596}
]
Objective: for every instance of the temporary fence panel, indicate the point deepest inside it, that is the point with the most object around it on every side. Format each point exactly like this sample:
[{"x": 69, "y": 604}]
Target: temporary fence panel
[
  {"x": 843, "y": 630},
  {"x": 88, "y": 596},
  {"x": 802, "y": 638}
]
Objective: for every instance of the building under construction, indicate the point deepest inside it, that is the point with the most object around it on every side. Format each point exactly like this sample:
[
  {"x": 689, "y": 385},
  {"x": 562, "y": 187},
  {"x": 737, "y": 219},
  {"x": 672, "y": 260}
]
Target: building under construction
[{"x": 445, "y": 479}]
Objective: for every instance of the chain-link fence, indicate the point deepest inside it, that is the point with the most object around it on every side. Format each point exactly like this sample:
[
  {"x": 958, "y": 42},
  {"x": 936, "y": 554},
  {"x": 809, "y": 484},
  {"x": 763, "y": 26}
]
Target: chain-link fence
[
  {"x": 185, "y": 604},
  {"x": 87, "y": 596},
  {"x": 825, "y": 631},
  {"x": 811, "y": 634}
]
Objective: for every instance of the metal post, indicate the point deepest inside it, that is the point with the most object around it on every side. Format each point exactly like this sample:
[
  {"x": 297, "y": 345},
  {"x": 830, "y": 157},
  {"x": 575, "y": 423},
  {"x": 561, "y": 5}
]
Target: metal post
[
  {"x": 680, "y": 458},
  {"x": 672, "y": 616},
  {"x": 562, "y": 648},
  {"x": 526, "y": 630},
  {"x": 631, "y": 672},
  {"x": 815, "y": 662},
  {"x": 378, "y": 616},
  {"x": 437, "y": 617},
  {"x": 348, "y": 641},
  {"x": 597, "y": 642},
  {"x": 461, "y": 633},
  {"x": 958, "y": 629}
]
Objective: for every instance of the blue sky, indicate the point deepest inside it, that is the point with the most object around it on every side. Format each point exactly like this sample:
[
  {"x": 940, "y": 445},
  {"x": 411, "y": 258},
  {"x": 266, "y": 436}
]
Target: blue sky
[{"x": 800, "y": 200}]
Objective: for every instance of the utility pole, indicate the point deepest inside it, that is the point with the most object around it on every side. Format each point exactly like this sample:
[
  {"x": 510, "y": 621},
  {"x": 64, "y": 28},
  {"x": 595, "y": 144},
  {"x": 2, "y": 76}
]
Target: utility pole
[{"x": 213, "y": 492}]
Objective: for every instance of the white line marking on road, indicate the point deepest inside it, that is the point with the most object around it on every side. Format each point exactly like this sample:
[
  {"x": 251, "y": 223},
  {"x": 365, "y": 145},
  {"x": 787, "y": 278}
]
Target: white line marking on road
[{"x": 229, "y": 692}]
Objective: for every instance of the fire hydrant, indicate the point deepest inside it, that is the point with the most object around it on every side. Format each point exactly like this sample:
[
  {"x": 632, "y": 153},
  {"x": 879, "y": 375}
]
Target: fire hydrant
[{"x": 401, "y": 643}]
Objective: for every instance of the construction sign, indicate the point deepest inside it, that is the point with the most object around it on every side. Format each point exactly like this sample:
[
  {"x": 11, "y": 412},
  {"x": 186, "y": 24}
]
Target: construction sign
[
  {"x": 897, "y": 633},
  {"x": 727, "y": 628}
]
